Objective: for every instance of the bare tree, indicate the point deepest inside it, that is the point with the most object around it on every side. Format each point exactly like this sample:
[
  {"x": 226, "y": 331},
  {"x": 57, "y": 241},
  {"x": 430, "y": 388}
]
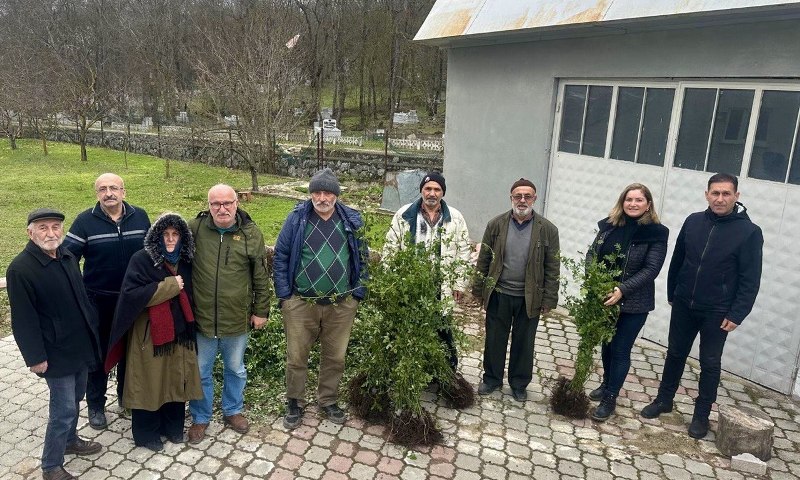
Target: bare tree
[{"x": 249, "y": 71}]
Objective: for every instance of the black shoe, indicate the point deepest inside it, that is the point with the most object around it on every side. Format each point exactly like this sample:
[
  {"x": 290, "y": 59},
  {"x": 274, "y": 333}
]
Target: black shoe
[
  {"x": 486, "y": 389},
  {"x": 97, "y": 419},
  {"x": 57, "y": 474},
  {"x": 657, "y": 408},
  {"x": 82, "y": 447},
  {"x": 335, "y": 414},
  {"x": 154, "y": 445},
  {"x": 698, "y": 428},
  {"x": 294, "y": 415},
  {"x": 606, "y": 408},
  {"x": 597, "y": 394},
  {"x": 519, "y": 394},
  {"x": 177, "y": 438}
]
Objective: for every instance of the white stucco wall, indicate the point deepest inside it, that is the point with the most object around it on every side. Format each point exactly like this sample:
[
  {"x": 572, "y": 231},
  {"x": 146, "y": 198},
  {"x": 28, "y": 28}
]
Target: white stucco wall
[{"x": 500, "y": 116}]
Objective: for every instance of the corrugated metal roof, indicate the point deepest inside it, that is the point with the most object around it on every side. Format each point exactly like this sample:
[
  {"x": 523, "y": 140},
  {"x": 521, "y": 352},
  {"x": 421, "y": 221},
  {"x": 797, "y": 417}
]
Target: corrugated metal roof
[{"x": 453, "y": 20}]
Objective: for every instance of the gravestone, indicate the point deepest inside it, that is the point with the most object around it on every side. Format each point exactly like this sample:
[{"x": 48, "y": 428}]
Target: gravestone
[
  {"x": 400, "y": 188},
  {"x": 183, "y": 117},
  {"x": 147, "y": 122},
  {"x": 744, "y": 430}
]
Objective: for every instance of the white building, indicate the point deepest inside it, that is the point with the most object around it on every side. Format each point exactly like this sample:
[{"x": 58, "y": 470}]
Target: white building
[{"x": 587, "y": 96}]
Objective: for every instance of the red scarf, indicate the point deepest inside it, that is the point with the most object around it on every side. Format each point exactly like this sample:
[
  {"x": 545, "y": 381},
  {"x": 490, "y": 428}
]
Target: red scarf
[{"x": 162, "y": 324}]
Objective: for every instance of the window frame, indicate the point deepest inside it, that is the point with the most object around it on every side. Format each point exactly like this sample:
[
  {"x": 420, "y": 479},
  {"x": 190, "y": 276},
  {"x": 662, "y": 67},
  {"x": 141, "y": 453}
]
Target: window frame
[{"x": 758, "y": 86}]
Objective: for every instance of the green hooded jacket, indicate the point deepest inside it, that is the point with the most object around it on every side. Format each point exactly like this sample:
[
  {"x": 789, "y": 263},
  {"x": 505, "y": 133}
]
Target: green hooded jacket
[{"x": 230, "y": 275}]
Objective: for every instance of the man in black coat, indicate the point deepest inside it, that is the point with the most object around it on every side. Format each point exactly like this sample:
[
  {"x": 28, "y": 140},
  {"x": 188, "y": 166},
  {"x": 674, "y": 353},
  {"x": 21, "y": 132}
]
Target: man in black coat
[
  {"x": 55, "y": 328},
  {"x": 714, "y": 277}
]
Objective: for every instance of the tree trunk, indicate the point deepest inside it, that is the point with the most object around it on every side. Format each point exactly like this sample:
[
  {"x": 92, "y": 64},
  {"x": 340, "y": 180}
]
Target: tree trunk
[
  {"x": 12, "y": 139},
  {"x": 254, "y": 177},
  {"x": 44, "y": 141},
  {"x": 744, "y": 430},
  {"x": 82, "y": 131}
]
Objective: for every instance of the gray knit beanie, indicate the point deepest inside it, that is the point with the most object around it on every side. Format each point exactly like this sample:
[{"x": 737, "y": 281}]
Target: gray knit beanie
[{"x": 324, "y": 181}]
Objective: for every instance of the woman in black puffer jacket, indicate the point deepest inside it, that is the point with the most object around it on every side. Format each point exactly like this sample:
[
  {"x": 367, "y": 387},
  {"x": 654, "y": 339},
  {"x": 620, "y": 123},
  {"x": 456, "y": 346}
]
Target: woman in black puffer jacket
[{"x": 632, "y": 225}]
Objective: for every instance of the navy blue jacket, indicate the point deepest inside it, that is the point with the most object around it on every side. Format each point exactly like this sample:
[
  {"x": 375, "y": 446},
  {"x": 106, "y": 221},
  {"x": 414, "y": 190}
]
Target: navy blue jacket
[
  {"x": 290, "y": 244},
  {"x": 716, "y": 265},
  {"x": 642, "y": 263},
  {"x": 106, "y": 247},
  {"x": 51, "y": 316}
]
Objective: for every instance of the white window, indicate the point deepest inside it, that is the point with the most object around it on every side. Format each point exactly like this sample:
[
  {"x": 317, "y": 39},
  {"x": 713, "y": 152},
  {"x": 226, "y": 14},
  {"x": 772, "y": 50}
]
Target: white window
[{"x": 746, "y": 128}]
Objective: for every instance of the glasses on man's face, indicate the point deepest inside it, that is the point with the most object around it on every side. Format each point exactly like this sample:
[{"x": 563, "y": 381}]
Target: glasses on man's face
[
  {"x": 109, "y": 188},
  {"x": 218, "y": 205},
  {"x": 518, "y": 197}
]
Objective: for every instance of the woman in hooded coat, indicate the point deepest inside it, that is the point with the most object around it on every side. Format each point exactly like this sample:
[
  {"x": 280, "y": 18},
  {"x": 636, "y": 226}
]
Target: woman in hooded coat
[{"x": 154, "y": 313}]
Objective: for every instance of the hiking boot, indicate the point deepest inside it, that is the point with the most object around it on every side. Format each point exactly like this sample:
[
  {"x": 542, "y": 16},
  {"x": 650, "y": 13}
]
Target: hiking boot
[
  {"x": 698, "y": 428},
  {"x": 82, "y": 447},
  {"x": 335, "y": 414},
  {"x": 485, "y": 389},
  {"x": 197, "y": 432},
  {"x": 294, "y": 415},
  {"x": 237, "y": 422},
  {"x": 606, "y": 408},
  {"x": 57, "y": 474},
  {"x": 657, "y": 408},
  {"x": 597, "y": 394},
  {"x": 97, "y": 419}
]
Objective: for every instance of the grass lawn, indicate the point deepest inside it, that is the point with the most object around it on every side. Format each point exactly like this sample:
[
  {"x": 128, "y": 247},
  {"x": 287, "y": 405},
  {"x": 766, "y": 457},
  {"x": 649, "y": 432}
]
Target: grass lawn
[{"x": 60, "y": 180}]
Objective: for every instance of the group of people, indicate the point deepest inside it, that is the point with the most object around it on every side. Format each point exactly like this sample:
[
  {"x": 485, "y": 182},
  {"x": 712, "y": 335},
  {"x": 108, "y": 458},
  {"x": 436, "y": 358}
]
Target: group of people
[{"x": 161, "y": 301}]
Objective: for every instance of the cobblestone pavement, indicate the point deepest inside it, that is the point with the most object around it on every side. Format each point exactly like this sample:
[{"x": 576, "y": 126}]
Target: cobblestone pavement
[{"x": 498, "y": 438}]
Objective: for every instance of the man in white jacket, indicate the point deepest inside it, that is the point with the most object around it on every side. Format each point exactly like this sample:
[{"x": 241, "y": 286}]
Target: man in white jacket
[{"x": 430, "y": 220}]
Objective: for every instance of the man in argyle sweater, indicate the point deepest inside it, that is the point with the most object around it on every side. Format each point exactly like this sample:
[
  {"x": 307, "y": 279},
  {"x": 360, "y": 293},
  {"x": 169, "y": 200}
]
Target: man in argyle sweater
[{"x": 319, "y": 267}]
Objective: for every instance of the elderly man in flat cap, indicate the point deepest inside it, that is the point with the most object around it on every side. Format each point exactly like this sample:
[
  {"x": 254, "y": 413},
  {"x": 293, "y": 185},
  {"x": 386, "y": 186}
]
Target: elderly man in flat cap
[
  {"x": 55, "y": 328},
  {"x": 519, "y": 252},
  {"x": 319, "y": 267}
]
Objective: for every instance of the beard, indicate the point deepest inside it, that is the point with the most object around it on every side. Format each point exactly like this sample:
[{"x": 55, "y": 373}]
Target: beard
[
  {"x": 49, "y": 245},
  {"x": 322, "y": 206},
  {"x": 522, "y": 212}
]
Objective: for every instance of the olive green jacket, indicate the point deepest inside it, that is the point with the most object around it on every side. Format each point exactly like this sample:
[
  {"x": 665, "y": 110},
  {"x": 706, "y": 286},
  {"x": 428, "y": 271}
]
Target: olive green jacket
[
  {"x": 541, "y": 272},
  {"x": 230, "y": 276}
]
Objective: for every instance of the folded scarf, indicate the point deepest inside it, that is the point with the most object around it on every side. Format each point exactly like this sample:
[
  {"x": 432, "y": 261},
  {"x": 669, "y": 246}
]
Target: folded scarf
[{"x": 163, "y": 323}]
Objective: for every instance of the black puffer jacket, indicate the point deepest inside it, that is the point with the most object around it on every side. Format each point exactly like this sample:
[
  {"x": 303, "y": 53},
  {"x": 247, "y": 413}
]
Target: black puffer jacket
[
  {"x": 641, "y": 265},
  {"x": 716, "y": 265}
]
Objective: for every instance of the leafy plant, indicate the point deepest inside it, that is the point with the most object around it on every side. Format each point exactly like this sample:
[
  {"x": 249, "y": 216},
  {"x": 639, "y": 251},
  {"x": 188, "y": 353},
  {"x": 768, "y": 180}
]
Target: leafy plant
[
  {"x": 402, "y": 352},
  {"x": 595, "y": 323}
]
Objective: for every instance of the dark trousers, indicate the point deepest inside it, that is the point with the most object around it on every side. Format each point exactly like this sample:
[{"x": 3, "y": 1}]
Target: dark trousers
[
  {"x": 504, "y": 314},
  {"x": 149, "y": 426},
  {"x": 446, "y": 336},
  {"x": 96, "y": 384},
  {"x": 66, "y": 394},
  {"x": 684, "y": 325},
  {"x": 616, "y": 354}
]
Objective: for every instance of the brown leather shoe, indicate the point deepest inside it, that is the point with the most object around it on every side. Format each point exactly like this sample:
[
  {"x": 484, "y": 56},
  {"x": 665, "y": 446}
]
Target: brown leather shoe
[
  {"x": 57, "y": 474},
  {"x": 82, "y": 447},
  {"x": 237, "y": 422},
  {"x": 197, "y": 432}
]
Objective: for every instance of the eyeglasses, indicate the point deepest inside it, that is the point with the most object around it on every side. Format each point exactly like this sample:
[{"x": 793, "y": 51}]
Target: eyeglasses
[
  {"x": 226, "y": 205},
  {"x": 110, "y": 188},
  {"x": 519, "y": 197}
]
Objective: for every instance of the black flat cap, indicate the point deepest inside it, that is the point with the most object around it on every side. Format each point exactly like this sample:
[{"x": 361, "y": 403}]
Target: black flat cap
[{"x": 44, "y": 213}]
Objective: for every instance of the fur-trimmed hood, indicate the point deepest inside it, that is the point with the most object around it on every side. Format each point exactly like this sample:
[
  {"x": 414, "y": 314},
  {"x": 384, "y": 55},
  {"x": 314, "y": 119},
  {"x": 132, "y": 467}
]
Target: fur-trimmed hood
[{"x": 153, "y": 236}]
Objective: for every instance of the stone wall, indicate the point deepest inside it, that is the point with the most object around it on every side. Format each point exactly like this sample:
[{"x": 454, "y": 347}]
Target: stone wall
[{"x": 298, "y": 163}]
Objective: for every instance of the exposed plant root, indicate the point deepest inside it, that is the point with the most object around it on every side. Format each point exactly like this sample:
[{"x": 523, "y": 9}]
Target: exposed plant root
[
  {"x": 366, "y": 403},
  {"x": 458, "y": 393},
  {"x": 566, "y": 401},
  {"x": 412, "y": 430}
]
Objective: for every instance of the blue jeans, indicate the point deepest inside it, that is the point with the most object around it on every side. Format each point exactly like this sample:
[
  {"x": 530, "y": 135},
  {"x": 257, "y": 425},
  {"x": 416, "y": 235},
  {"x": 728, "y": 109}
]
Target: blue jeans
[
  {"x": 234, "y": 375},
  {"x": 684, "y": 325},
  {"x": 616, "y": 354},
  {"x": 66, "y": 394}
]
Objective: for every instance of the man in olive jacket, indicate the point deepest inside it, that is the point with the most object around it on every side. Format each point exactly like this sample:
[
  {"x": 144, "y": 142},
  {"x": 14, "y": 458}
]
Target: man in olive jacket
[
  {"x": 231, "y": 293},
  {"x": 518, "y": 270}
]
